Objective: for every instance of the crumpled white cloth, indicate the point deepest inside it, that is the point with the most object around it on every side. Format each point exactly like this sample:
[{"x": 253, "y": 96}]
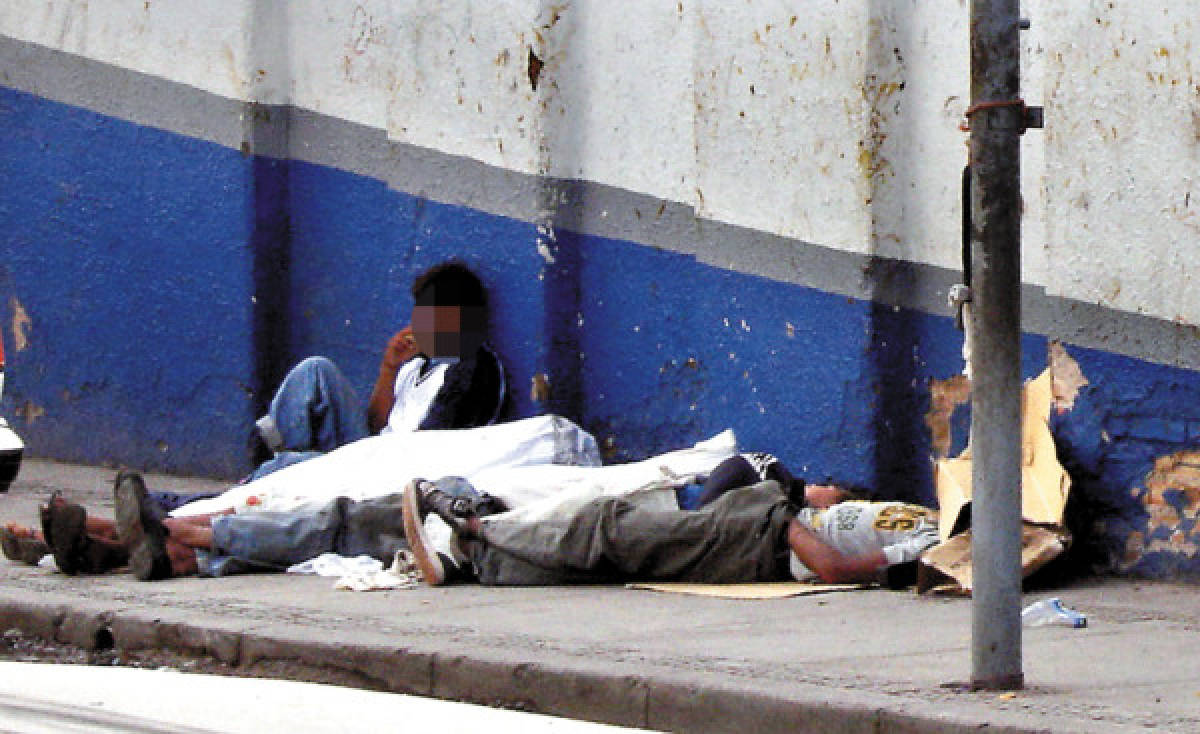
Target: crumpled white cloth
[
  {"x": 402, "y": 574},
  {"x": 363, "y": 573},
  {"x": 331, "y": 564}
]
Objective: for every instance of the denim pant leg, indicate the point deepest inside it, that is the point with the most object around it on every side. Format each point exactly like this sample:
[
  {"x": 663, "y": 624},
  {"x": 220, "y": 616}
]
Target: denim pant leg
[
  {"x": 281, "y": 460},
  {"x": 315, "y": 408},
  {"x": 272, "y": 541}
]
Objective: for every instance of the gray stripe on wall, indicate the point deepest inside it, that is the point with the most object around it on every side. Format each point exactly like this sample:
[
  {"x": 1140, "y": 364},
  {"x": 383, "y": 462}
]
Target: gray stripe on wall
[{"x": 580, "y": 206}]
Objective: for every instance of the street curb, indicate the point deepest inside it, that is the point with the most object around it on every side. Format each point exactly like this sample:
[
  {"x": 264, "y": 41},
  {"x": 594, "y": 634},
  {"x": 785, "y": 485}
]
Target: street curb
[{"x": 586, "y": 692}]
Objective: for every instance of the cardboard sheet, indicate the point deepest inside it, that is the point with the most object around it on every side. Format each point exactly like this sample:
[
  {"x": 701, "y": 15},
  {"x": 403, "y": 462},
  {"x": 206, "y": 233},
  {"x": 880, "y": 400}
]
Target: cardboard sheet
[
  {"x": 758, "y": 590},
  {"x": 1044, "y": 482},
  {"x": 1044, "y": 488},
  {"x": 947, "y": 566}
]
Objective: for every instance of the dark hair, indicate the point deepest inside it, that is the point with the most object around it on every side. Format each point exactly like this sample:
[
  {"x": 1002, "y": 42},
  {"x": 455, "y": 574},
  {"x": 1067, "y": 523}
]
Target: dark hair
[{"x": 449, "y": 284}]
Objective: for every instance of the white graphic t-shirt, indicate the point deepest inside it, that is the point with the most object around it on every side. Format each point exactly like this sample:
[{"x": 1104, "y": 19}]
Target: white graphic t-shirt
[{"x": 857, "y": 528}]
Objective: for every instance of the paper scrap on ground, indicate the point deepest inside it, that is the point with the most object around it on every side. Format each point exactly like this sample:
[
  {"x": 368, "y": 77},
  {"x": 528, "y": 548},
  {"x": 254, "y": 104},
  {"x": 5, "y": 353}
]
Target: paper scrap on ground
[
  {"x": 332, "y": 565},
  {"x": 757, "y": 590}
]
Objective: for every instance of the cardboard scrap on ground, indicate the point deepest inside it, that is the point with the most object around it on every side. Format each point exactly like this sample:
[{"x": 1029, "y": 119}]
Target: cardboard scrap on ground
[
  {"x": 1044, "y": 488},
  {"x": 946, "y": 568},
  {"x": 758, "y": 590}
]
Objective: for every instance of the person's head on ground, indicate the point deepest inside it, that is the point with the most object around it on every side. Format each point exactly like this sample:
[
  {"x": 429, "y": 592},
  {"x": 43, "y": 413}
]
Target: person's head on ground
[
  {"x": 449, "y": 317},
  {"x": 821, "y": 496}
]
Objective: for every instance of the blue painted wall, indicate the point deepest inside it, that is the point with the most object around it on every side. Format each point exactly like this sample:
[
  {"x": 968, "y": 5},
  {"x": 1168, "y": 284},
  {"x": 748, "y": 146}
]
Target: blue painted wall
[
  {"x": 130, "y": 250},
  {"x": 170, "y": 282}
]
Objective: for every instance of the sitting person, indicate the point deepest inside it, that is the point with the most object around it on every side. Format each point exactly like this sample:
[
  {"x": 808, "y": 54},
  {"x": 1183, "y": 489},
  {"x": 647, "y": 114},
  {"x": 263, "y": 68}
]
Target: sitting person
[
  {"x": 438, "y": 373},
  {"x": 748, "y": 533}
]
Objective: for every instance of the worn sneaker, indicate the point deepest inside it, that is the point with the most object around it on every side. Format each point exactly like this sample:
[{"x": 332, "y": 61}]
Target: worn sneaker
[
  {"x": 140, "y": 529},
  {"x": 433, "y": 571}
]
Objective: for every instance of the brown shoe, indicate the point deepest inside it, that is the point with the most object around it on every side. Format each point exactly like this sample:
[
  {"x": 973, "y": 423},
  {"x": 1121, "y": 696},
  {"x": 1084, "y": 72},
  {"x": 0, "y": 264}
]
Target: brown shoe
[
  {"x": 23, "y": 548},
  {"x": 68, "y": 535},
  {"x": 139, "y": 528}
]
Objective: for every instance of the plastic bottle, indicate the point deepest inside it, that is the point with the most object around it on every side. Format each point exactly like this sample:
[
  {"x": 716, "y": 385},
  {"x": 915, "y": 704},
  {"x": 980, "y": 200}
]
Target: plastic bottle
[{"x": 1051, "y": 612}]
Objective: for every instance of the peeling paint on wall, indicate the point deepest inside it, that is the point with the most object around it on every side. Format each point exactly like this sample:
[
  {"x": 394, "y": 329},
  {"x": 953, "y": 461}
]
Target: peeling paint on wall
[
  {"x": 30, "y": 411},
  {"x": 944, "y": 397},
  {"x": 1066, "y": 377},
  {"x": 1171, "y": 498},
  {"x": 21, "y": 324}
]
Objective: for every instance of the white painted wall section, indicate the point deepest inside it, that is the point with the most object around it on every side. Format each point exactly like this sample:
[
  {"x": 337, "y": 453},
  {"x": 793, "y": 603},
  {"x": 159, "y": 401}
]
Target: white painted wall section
[
  {"x": 834, "y": 122},
  {"x": 1123, "y": 155}
]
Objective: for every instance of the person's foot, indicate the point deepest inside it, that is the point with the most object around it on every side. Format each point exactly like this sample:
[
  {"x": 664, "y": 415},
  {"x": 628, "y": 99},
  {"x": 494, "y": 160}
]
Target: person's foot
[
  {"x": 66, "y": 526},
  {"x": 139, "y": 528},
  {"x": 455, "y": 511},
  {"x": 421, "y": 498},
  {"x": 22, "y": 544},
  {"x": 433, "y": 571}
]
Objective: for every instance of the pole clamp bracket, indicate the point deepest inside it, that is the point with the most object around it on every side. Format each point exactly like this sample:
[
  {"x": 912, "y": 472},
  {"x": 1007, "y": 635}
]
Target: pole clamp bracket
[
  {"x": 959, "y": 296},
  {"x": 1031, "y": 117}
]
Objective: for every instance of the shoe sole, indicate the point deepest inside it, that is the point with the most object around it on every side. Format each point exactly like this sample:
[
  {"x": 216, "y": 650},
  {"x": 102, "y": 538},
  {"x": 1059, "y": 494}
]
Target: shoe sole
[
  {"x": 427, "y": 559},
  {"x": 22, "y": 549},
  {"x": 67, "y": 528},
  {"x": 147, "y": 551}
]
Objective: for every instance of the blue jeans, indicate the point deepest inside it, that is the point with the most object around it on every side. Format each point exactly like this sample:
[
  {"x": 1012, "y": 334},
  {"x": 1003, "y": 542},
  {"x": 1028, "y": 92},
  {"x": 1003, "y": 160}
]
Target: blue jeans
[{"x": 314, "y": 411}]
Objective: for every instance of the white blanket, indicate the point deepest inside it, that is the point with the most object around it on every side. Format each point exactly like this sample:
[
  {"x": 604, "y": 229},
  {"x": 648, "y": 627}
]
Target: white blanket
[
  {"x": 537, "y": 492},
  {"x": 384, "y": 464}
]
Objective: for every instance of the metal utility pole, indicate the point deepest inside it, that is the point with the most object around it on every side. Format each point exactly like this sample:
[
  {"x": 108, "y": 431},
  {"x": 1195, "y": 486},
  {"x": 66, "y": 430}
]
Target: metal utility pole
[{"x": 997, "y": 118}]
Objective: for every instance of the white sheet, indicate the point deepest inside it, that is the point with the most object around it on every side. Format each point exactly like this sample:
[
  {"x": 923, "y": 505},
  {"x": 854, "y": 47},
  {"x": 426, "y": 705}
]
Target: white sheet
[
  {"x": 380, "y": 465},
  {"x": 537, "y": 492}
]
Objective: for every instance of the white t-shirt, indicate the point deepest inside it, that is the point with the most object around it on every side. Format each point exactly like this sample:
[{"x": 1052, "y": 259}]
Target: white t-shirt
[
  {"x": 414, "y": 394},
  {"x": 857, "y": 528}
]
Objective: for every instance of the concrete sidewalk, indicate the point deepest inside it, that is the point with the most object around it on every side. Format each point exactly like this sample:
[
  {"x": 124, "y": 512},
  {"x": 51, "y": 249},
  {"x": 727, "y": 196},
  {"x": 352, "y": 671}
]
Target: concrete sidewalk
[{"x": 864, "y": 661}]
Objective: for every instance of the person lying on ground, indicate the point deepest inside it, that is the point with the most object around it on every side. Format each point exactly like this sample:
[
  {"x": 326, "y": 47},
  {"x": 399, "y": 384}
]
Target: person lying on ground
[
  {"x": 224, "y": 543},
  {"x": 751, "y": 533},
  {"x": 62, "y": 524},
  {"x": 438, "y": 373},
  {"x": 155, "y": 546}
]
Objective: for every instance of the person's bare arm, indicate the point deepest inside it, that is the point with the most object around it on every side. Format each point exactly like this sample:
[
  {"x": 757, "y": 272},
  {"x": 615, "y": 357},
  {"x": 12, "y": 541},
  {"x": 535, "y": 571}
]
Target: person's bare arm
[
  {"x": 829, "y": 564},
  {"x": 401, "y": 348}
]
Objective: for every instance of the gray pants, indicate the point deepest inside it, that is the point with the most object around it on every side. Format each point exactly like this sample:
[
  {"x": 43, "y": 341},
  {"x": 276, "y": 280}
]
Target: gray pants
[
  {"x": 740, "y": 537},
  {"x": 272, "y": 541}
]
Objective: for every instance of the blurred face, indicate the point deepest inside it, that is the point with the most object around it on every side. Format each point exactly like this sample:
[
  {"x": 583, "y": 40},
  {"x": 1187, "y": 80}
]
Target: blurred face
[{"x": 447, "y": 331}]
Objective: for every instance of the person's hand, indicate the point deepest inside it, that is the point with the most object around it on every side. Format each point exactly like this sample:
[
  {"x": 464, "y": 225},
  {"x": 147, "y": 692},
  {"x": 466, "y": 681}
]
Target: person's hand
[
  {"x": 400, "y": 348},
  {"x": 911, "y": 548}
]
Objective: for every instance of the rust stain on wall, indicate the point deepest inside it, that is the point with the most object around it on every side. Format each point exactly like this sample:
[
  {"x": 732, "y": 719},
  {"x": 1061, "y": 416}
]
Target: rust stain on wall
[
  {"x": 534, "y": 69},
  {"x": 944, "y": 397},
  {"x": 539, "y": 390},
  {"x": 30, "y": 411},
  {"x": 20, "y": 324}
]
